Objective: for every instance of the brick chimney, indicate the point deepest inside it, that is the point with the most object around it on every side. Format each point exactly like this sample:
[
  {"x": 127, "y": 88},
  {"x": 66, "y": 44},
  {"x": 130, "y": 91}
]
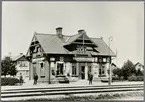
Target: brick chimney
[
  {"x": 81, "y": 31},
  {"x": 59, "y": 32},
  {"x": 21, "y": 53}
]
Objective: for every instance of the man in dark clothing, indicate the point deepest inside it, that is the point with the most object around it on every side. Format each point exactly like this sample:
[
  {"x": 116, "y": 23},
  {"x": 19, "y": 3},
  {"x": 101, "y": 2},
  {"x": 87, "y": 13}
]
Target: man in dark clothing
[
  {"x": 21, "y": 79},
  {"x": 35, "y": 79},
  {"x": 90, "y": 78}
]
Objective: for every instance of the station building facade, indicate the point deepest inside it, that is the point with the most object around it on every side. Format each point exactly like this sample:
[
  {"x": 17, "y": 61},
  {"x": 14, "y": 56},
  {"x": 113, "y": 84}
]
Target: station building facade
[{"x": 54, "y": 56}]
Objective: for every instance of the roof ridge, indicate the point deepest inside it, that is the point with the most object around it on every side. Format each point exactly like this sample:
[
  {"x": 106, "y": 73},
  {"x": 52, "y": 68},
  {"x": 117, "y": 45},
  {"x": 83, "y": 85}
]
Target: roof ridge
[
  {"x": 74, "y": 35},
  {"x": 44, "y": 34},
  {"x": 94, "y": 38},
  {"x": 51, "y": 34}
]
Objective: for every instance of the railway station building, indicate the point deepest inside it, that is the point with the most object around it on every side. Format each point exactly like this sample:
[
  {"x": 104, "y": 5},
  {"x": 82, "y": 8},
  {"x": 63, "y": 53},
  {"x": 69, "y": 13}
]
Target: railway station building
[{"x": 55, "y": 56}]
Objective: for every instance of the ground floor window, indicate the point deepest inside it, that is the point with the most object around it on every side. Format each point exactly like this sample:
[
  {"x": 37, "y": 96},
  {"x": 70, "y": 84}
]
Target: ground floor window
[
  {"x": 42, "y": 70},
  {"x": 34, "y": 68},
  {"x": 60, "y": 69},
  {"x": 89, "y": 69},
  {"x": 27, "y": 72},
  {"x": 74, "y": 69},
  {"x": 102, "y": 69}
]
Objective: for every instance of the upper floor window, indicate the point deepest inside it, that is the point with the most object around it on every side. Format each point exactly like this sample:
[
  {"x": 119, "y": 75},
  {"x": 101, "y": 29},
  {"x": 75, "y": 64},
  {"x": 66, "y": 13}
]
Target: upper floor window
[{"x": 23, "y": 64}]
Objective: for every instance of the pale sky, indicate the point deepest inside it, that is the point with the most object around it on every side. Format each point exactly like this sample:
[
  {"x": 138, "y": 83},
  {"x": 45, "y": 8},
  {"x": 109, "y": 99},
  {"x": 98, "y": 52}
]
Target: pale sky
[{"x": 122, "y": 20}]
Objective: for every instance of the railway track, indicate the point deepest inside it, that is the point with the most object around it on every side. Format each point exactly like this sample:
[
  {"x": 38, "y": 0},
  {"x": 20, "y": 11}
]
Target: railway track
[{"x": 28, "y": 92}]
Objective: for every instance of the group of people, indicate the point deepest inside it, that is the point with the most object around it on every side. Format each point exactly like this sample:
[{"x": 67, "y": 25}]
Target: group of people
[
  {"x": 35, "y": 79},
  {"x": 90, "y": 78}
]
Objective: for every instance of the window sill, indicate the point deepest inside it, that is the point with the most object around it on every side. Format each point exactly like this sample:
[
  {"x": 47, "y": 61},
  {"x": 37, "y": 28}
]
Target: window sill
[
  {"x": 103, "y": 75},
  {"x": 74, "y": 75},
  {"x": 60, "y": 75},
  {"x": 42, "y": 76}
]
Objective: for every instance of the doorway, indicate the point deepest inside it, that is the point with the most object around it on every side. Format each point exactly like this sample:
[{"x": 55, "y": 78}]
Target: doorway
[
  {"x": 60, "y": 69},
  {"x": 82, "y": 72}
]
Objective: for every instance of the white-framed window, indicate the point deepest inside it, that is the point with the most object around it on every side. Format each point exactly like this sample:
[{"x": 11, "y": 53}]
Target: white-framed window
[
  {"x": 96, "y": 59},
  {"x": 102, "y": 69},
  {"x": 27, "y": 72},
  {"x": 100, "y": 59},
  {"x": 74, "y": 69},
  {"x": 52, "y": 64},
  {"x": 60, "y": 69},
  {"x": 108, "y": 59},
  {"x": 104, "y": 60},
  {"x": 42, "y": 70},
  {"x": 23, "y": 64}
]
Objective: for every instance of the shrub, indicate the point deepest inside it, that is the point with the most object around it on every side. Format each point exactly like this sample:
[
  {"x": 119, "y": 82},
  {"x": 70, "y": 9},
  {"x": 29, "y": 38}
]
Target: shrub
[
  {"x": 136, "y": 78},
  {"x": 118, "y": 72},
  {"x": 103, "y": 75},
  {"x": 114, "y": 78},
  {"x": 9, "y": 81}
]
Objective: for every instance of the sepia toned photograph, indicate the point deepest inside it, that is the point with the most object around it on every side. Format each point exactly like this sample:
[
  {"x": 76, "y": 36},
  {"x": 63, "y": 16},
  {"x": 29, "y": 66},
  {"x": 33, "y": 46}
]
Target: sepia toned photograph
[{"x": 72, "y": 51}]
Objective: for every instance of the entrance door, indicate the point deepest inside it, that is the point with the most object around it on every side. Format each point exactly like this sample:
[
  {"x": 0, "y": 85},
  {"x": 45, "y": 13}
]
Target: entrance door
[
  {"x": 34, "y": 69},
  {"x": 60, "y": 69},
  {"x": 82, "y": 72}
]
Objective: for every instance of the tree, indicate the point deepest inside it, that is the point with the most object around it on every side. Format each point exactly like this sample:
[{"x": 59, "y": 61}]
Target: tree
[
  {"x": 118, "y": 72},
  {"x": 12, "y": 70},
  {"x": 128, "y": 69},
  {"x": 7, "y": 67}
]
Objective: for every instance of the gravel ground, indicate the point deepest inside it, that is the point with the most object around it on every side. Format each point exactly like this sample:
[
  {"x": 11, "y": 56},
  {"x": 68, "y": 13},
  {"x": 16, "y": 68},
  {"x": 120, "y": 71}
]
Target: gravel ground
[
  {"x": 134, "y": 95},
  {"x": 29, "y": 84}
]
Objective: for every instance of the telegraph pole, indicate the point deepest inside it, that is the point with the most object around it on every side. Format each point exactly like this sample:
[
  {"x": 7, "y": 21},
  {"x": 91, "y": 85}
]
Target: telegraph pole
[
  {"x": 110, "y": 39},
  {"x": 116, "y": 56}
]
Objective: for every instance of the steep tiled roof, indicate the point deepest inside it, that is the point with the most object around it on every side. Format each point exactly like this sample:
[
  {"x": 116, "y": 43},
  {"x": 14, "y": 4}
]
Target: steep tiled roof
[
  {"x": 102, "y": 48},
  {"x": 72, "y": 38},
  {"x": 52, "y": 44},
  {"x": 138, "y": 63},
  {"x": 15, "y": 58}
]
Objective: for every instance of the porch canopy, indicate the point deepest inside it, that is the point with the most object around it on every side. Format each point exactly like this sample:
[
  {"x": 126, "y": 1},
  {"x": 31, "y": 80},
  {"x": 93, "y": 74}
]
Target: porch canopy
[{"x": 84, "y": 59}]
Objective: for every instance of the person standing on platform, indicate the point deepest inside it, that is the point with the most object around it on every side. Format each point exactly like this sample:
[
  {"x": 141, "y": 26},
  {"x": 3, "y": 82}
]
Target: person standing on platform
[
  {"x": 21, "y": 79},
  {"x": 35, "y": 79},
  {"x": 90, "y": 78}
]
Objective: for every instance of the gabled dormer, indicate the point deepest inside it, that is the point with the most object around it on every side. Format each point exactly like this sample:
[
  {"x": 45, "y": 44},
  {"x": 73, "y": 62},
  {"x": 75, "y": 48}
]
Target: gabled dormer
[{"x": 80, "y": 44}]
